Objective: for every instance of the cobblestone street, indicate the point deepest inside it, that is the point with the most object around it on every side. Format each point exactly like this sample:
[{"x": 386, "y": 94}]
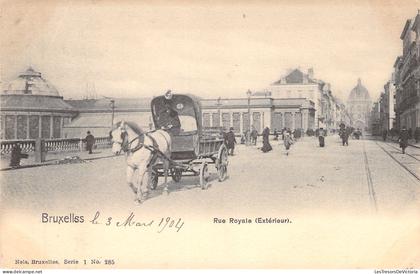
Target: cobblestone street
[{"x": 309, "y": 179}]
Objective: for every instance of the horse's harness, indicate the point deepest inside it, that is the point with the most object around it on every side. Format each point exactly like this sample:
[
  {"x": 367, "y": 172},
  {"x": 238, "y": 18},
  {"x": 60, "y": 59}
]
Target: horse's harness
[{"x": 126, "y": 146}]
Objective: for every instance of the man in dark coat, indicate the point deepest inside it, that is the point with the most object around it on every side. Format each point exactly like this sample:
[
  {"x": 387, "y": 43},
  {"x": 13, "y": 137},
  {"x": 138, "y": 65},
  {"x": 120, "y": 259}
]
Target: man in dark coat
[
  {"x": 403, "y": 139},
  {"x": 15, "y": 155},
  {"x": 266, "y": 144},
  {"x": 168, "y": 116},
  {"x": 321, "y": 137},
  {"x": 230, "y": 141},
  {"x": 384, "y": 134},
  {"x": 90, "y": 141},
  {"x": 344, "y": 135},
  {"x": 254, "y": 136}
]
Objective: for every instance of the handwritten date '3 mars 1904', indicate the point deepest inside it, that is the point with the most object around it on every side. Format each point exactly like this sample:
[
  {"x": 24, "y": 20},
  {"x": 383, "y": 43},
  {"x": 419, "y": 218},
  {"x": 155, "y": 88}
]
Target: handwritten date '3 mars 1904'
[{"x": 162, "y": 224}]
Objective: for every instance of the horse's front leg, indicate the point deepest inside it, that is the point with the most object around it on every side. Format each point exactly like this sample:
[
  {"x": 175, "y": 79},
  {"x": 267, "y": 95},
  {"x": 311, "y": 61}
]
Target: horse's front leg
[
  {"x": 130, "y": 172},
  {"x": 140, "y": 193},
  {"x": 165, "y": 169}
]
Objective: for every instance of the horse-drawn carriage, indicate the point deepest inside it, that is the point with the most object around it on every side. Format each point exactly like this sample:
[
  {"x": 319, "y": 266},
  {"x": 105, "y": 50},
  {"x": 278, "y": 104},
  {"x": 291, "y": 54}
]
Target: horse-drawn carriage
[{"x": 193, "y": 147}]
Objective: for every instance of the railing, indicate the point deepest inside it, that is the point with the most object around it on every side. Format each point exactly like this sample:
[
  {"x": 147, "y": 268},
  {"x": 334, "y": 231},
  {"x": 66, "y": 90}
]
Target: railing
[
  {"x": 26, "y": 146},
  {"x": 57, "y": 145},
  {"x": 72, "y": 144},
  {"x": 103, "y": 142}
]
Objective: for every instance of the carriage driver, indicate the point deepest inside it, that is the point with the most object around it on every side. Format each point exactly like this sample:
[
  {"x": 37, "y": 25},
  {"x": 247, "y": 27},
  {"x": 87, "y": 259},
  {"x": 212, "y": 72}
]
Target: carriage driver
[{"x": 168, "y": 117}]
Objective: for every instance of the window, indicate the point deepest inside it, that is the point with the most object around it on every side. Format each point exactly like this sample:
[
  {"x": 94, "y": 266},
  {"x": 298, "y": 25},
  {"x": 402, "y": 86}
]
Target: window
[
  {"x": 10, "y": 127},
  {"x": 56, "y": 127},
  {"x": 206, "y": 119},
  {"x": 236, "y": 122},
  {"x": 22, "y": 126},
  {"x": 45, "y": 126},
  {"x": 33, "y": 126},
  {"x": 188, "y": 123},
  {"x": 216, "y": 119},
  {"x": 226, "y": 120}
]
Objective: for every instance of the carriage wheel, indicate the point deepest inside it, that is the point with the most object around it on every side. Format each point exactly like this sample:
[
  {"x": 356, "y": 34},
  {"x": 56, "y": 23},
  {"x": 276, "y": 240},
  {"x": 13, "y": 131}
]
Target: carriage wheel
[
  {"x": 204, "y": 175},
  {"x": 222, "y": 163},
  {"x": 154, "y": 180},
  {"x": 176, "y": 175}
]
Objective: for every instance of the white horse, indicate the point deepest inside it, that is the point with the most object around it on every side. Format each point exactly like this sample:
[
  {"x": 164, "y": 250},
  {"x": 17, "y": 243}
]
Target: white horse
[{"x": 142, "y": 150}]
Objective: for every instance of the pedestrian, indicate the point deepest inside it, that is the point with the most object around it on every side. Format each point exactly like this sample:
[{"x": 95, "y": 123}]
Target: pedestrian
[
  {"x": 343, "y": 135},
  {"x": 321, "y": 137},
  {"x": 417, "y": 134},
  {"x": 231, "y": 141},
  {"x": 243, "y": 139},
  {"x": 254, "y": 136},
  {"x": 403, "y": 139},
  {"x": 90, "y": 141},
  {"x": 276, "y": 134},
  {"x": 248, "y": 137},
  {"x": 266, "y": 143},
  {"x": 288, "y": 142},
  {"x": 15, "y": 155},
  {"x": 384, "y": 134},
  {"x": 296, "y": 134}
]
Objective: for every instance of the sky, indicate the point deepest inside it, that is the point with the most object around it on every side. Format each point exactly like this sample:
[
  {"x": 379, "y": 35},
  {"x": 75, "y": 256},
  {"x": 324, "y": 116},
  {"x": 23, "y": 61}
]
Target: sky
[{"x": 208, "y": 48}]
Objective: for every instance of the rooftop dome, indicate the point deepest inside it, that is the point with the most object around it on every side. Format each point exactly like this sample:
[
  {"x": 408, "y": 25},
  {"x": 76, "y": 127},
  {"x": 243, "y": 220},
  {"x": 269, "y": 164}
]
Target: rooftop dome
[
  {"x": 359, "y": 92},
  {"x": 30, "y": 82}
]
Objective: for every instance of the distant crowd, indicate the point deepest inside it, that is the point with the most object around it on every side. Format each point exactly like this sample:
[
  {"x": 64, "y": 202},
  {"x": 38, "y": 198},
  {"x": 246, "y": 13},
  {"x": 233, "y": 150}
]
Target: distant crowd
[{"x": 289, "y": 137}]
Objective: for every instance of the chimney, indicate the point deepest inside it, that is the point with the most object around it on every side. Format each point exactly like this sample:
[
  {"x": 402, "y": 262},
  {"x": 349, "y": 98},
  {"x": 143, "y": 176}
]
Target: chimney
[{"x": 310, "y": 73}]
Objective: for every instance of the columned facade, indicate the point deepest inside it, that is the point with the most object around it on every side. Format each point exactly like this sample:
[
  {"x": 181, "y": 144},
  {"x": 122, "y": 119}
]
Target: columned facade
[{"x": 292, "y": 113}]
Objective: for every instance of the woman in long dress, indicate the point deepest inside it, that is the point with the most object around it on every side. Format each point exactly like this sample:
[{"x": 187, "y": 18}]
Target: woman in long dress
[
  {"x": 288, "y": 141},
  {"x": 266, "y": 144}
]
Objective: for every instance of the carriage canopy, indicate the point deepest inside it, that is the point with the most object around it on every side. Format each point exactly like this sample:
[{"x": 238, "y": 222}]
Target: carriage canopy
[{"x": 186, "y": 108}]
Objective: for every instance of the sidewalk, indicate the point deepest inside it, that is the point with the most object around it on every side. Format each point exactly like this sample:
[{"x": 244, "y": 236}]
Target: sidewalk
[
  {"x": 411, "y": 142},
  {"x": 55, "y": 158}
]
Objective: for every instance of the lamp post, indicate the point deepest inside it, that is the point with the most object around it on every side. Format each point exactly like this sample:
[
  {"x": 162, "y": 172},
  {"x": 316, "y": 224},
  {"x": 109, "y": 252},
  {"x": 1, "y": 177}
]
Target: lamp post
[
  {"x": 248, "y": 94},
  {"x": 218, "y": 111},
  {"x": 112, "y": 104}
]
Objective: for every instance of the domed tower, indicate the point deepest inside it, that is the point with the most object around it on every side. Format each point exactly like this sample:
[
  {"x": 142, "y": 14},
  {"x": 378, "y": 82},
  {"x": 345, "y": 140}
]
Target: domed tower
[
  {"x": 32, "y": 108},
  {"x": 359, "y": 105},
  {"x": 30, "y": 82}
]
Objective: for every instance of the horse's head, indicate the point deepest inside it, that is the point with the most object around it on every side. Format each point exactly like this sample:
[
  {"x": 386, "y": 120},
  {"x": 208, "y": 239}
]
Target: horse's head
[{"x": 119, "y": 137}]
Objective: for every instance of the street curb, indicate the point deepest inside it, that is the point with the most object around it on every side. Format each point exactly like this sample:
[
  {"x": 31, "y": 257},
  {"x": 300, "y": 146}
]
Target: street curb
[
  {"x": 393, "y": 141},
  {"x": 55, "y": 163}
]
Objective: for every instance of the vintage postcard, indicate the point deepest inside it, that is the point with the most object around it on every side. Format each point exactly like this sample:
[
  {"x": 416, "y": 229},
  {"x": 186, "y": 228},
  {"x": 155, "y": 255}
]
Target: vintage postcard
[{"x": 210, "y": 134}]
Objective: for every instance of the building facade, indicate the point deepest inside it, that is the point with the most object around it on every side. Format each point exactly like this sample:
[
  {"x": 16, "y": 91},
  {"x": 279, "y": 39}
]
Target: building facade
[
  {"x": 359, "y": 105},
  {"x": 329, "y": 111},
  {"x": 98, "y": 115},
  {"x": 32, "y": 108},
  {"x": 257, "y": 112},
  {"x": 387, "y": 103},
  {"x": 407, "y": 76}
]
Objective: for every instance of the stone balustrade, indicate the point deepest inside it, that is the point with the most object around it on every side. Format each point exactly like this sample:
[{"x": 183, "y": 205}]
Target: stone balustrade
[{"x": 56, "y": 145}]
